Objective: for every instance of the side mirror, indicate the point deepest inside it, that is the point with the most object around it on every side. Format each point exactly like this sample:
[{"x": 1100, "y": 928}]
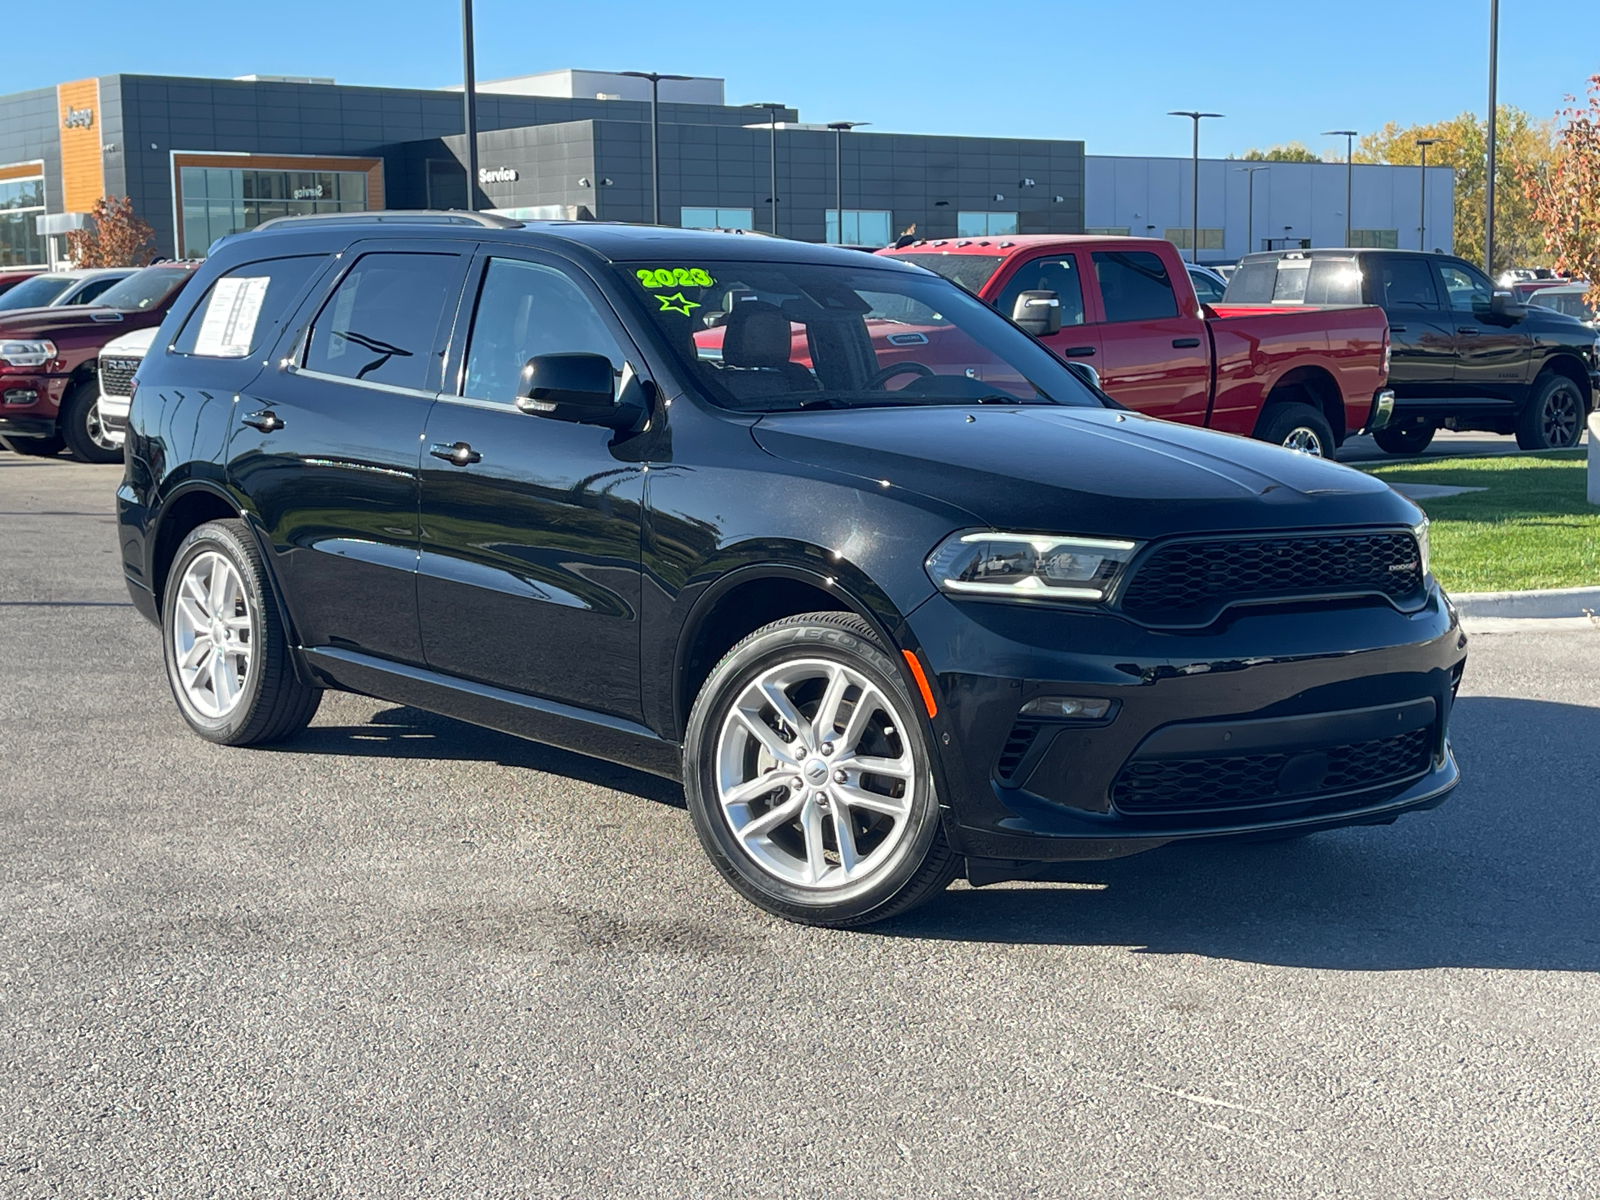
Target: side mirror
[
  {"x": 1038, "y": 312},
  {"x": 580, "y": 388},
  {"x": 1086, "y": 373},
  {"x": 1504, "y": 305}
]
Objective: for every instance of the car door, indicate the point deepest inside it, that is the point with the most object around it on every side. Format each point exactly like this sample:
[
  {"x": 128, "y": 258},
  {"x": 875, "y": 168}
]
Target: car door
[
  {"x": 529, "y": 576},
  {"x": 1421, "y": 331},
  {"x": 327, "y": 445},
  {"x": 1493, "y": 356},
  {"x": 1153, "y": 358},
  {"x": 1062, "y": 274}
]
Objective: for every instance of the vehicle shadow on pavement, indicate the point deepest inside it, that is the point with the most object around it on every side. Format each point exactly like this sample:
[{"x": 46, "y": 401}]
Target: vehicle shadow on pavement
[
  {"x": 1505, "y": 875},
  {"x": 412, "y": 733}
]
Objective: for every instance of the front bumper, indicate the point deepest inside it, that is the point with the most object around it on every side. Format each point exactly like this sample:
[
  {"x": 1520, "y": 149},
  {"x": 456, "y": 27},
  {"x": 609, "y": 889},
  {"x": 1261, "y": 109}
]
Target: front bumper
[
  {"x": 114, "y": 416},
  {"x": 1274, "y": 717}
]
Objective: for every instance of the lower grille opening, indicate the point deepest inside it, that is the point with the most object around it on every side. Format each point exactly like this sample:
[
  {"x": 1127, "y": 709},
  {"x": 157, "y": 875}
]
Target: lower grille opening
[
  {"x": 1226, "y": 783},
  {"x": 1018, "y": 742}
]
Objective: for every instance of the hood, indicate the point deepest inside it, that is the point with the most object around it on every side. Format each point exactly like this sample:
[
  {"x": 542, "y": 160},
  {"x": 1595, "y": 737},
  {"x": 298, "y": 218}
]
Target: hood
[
  {"x": 1095, "y": 472},
  {"x": 42, "y": 322},
  {"x": 132, "y": 345}
]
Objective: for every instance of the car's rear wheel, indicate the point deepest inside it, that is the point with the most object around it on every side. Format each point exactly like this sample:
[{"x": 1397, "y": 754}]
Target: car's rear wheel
[
  {"x": 1406, "y": 438},
  {"x": 85, "y": 433},
  {"x": 1298, "y": 427},
  {"x": 228, "y": 660},
  {"x": 808, "y": 776},
  {"x": 1553, "y": 418}
]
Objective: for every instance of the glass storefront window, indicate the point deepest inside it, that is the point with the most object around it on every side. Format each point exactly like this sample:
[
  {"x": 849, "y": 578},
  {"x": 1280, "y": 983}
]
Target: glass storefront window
[
  {"x": 21, "y": 201},
  {"x": 717, "y": 218},
  {"x": 218, "y": 201},
  {"x": 985, "y": 224},
  {"x": 862, "y": 227}
]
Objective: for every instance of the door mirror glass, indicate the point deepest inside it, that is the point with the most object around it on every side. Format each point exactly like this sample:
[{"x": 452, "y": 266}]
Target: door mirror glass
[
  {"x": 1505, "y": 306},
  {"x": 580, "y": 388},
  {"x": 1038, "y": 312}
]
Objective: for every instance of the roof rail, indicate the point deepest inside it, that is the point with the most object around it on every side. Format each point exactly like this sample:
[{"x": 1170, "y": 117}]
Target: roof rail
[{"x": 420, "y": 216}]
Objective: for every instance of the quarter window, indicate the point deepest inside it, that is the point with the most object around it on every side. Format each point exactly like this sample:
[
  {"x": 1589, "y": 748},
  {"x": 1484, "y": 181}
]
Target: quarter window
[
  {"x": 1468, "y": 290},
  {"x": 1058, "y": 275},
  {"x": 524, "y": 310},
  {"x": 244, "y": 306},
  {"x": 1134, "y": 286},
  {"x": 382, "y": 322}
]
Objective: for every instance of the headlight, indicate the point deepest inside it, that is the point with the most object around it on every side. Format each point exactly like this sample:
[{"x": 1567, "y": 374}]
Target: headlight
[
  {"x": 27, "y": 354},
  {"x": 1029, "y": 565},
  {"x": 1420, "y": 532}
]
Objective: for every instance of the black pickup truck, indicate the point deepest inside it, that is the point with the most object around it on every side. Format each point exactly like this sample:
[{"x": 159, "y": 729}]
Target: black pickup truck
[{"x": 1464, "y": 355}]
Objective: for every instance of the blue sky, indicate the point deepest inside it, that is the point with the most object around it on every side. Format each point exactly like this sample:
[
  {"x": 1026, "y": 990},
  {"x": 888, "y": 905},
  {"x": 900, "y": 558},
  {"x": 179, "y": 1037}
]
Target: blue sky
[{"x": 1103, "y": 72}]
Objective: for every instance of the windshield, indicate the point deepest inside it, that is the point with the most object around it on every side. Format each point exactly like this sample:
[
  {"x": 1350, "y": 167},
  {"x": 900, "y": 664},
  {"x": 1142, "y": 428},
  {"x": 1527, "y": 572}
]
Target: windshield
[
  {"x": 778, "y": 337},
  {"x": 971, "y": 271},
  {"x": 35, "y": 293},
  {"x": 145, "y": 289}
]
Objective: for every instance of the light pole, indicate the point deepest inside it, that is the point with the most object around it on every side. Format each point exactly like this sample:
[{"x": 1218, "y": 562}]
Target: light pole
[
  {"x": 1488, "y": 208},
  {"x": 469, "y": 93},
  {"x": 655, "y": 78},
  {"x": 839, "y": 128},
  {"x": 772, "y": 152},
  {"x": 1422, "y": 144},
  {"x": 1349, "y": 136},
  {"x": 1250, "y": 208},
  {"x": 1194, "y": 198}
]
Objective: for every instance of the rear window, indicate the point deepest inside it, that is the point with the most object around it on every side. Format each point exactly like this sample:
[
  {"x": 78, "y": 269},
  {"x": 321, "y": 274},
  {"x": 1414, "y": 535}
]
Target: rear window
[
  {"x": 1334, "y": 281},
  {"x": 144, "y": 290},
  {"x": 1252, "y": 283},
  {"x": 1296, "y": 281},
  {"x": 970, "y": 271}
]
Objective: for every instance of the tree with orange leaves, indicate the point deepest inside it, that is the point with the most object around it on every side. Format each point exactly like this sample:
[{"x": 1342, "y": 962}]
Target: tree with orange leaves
[
  {"x": 117, "y": 238},
  {"x": 1566, "y": 196}
]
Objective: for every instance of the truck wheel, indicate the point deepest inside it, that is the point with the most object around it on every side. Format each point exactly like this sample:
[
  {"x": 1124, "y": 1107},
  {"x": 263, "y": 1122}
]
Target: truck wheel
[
  {"x": 1412, "y": 437},
  {"x": 1297, "y": 427},
  {"x": 808, "y": 776},
  {"x": 1553, "y": 418},
  {"x": 83, "y": 429},
  {"x": 227, "y": 655}
]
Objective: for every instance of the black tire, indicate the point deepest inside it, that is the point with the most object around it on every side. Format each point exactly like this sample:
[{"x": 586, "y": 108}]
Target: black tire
[
  {"x": 1406, "y": 438},
  {"x": 272, "y": 704},
  {"x": 1297, "y": 426},
  {"x": 81, "y": 426},
  {"x": 37, "y": 447},
  {"x": 921, "y": 864},
  {"x": 1553, "y": 417}
]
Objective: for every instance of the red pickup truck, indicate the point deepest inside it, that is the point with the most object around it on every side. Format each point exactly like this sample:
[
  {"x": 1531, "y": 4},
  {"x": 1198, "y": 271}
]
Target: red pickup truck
[{"x": 1305, "y": 378}]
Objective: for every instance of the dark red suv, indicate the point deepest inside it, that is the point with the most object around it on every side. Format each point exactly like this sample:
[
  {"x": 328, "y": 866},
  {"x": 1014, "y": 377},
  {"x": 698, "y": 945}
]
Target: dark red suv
[{"x": 49, "y": 397}]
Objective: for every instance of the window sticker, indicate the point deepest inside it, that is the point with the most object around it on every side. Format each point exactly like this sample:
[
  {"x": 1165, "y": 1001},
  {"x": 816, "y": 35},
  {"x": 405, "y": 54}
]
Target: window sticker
[
  {"x": 677, "y": 303},
  {"x": 229, "y": 328},
  {"x": 673, "y": 277}
]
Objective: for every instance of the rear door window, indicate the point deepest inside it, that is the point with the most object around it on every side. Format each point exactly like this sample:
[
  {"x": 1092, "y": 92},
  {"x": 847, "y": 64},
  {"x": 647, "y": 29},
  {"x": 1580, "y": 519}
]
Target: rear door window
[
  {"x": 1405, "y": 283},
  {"x": 1134, "y": 286},
  {"x": 1057, "y": 273},
  {"x": 242, "y": 308},
  {"x": 382, "y": 323}
]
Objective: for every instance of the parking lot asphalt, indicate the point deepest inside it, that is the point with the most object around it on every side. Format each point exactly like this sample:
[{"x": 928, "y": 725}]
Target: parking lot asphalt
[
  {"x": 1446, "y": 444},
  {"x": 400, "y": 956}
]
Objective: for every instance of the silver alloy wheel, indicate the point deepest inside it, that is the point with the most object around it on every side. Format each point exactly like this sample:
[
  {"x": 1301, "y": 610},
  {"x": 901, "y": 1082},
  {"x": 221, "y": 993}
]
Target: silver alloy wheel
[
  {"x": 815, "y": 776},
  {"x": 1302, "y": 439},
  {"x": 96, "y": 429},
  {"x": 213, "y": 636}
]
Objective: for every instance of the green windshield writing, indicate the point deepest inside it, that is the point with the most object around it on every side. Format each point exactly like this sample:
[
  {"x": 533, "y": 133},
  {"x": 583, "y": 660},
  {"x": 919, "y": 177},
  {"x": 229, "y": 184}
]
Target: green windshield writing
[{"x": 673, "y": 277}]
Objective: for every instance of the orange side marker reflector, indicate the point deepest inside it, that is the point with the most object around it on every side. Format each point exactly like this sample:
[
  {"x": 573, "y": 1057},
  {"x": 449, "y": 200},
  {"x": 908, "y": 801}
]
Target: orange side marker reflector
[{"x": 922, "y": 683}]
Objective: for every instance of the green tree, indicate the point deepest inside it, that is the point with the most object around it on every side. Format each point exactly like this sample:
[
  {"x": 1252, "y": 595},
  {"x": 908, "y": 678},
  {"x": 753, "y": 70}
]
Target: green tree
[
  {"x": 1290, "y": 152},
  {"x": 1523, "y": 149}
]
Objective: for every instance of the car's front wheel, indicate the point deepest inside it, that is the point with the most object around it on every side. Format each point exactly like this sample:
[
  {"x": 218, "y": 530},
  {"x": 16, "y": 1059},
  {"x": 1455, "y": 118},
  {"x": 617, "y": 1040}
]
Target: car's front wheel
[
  {"x": 1553, "y": 418},
  {"x": 85, "y": 433},
  {"x": 807, "y": 773},
  {"x": 228, "y": 659}
]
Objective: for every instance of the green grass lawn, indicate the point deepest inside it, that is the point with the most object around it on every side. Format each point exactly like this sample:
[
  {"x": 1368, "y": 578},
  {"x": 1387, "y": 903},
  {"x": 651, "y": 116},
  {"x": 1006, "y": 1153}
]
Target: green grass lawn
[{"x": 1533, "y": 528}]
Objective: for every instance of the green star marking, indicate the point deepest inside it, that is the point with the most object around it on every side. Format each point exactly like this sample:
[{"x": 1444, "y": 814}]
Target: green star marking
[{"x": 676, "y": 303}]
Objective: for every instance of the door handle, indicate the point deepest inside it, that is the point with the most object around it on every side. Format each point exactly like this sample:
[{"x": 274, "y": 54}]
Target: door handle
[
  {"x": 458, "y": 454},
  {"x": 1466, "y": 331},
  {"x": 1078, "y": 352},
  {"x": 1185, "y": 343},
  {"x": 1397, "y": 329},
  {"x": 266, "y": 420}
]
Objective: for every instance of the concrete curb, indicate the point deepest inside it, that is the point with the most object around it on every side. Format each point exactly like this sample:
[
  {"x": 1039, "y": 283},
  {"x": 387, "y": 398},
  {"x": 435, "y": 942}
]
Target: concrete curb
[
  {"x": 1481, "y": 625},
  {"x": 1536, "y": 605}
]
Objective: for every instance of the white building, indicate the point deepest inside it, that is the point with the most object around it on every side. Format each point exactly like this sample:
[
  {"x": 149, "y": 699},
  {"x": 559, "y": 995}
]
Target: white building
[
  {"x": 605, "y": 85},
  {"x": 1296, "y": 204}
]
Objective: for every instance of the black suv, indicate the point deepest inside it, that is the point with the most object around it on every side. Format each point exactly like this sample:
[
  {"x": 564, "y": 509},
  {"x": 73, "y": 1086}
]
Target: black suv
[
  {"x": 889, "y": 588},
  {"x": 1464, "y": 355}
]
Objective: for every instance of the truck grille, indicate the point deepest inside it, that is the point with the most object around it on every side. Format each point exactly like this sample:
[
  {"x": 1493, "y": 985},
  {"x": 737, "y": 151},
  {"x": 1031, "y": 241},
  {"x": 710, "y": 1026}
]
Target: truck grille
[
  {"x": 116, "y": 375},
  {"x": 1191, "y": 582},
  {"x": 1227, "y": 782}
]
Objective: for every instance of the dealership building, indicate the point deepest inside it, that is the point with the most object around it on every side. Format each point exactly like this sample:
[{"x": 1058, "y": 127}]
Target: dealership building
[{"x": 201, "y": 158}]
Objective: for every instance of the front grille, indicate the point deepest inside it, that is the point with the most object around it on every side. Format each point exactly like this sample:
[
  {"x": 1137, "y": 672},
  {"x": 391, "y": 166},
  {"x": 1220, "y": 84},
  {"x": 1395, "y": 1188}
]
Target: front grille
[
  {"x": 1190, "y": 582},
  {"x": 1018, "y": 742},
  {"x": 116, "y": 375},
  {"x": 1189, "y": 785}
]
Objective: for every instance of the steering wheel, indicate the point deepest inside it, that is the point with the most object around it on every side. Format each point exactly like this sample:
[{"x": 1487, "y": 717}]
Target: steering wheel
[{"x": 900, "y": 368}]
